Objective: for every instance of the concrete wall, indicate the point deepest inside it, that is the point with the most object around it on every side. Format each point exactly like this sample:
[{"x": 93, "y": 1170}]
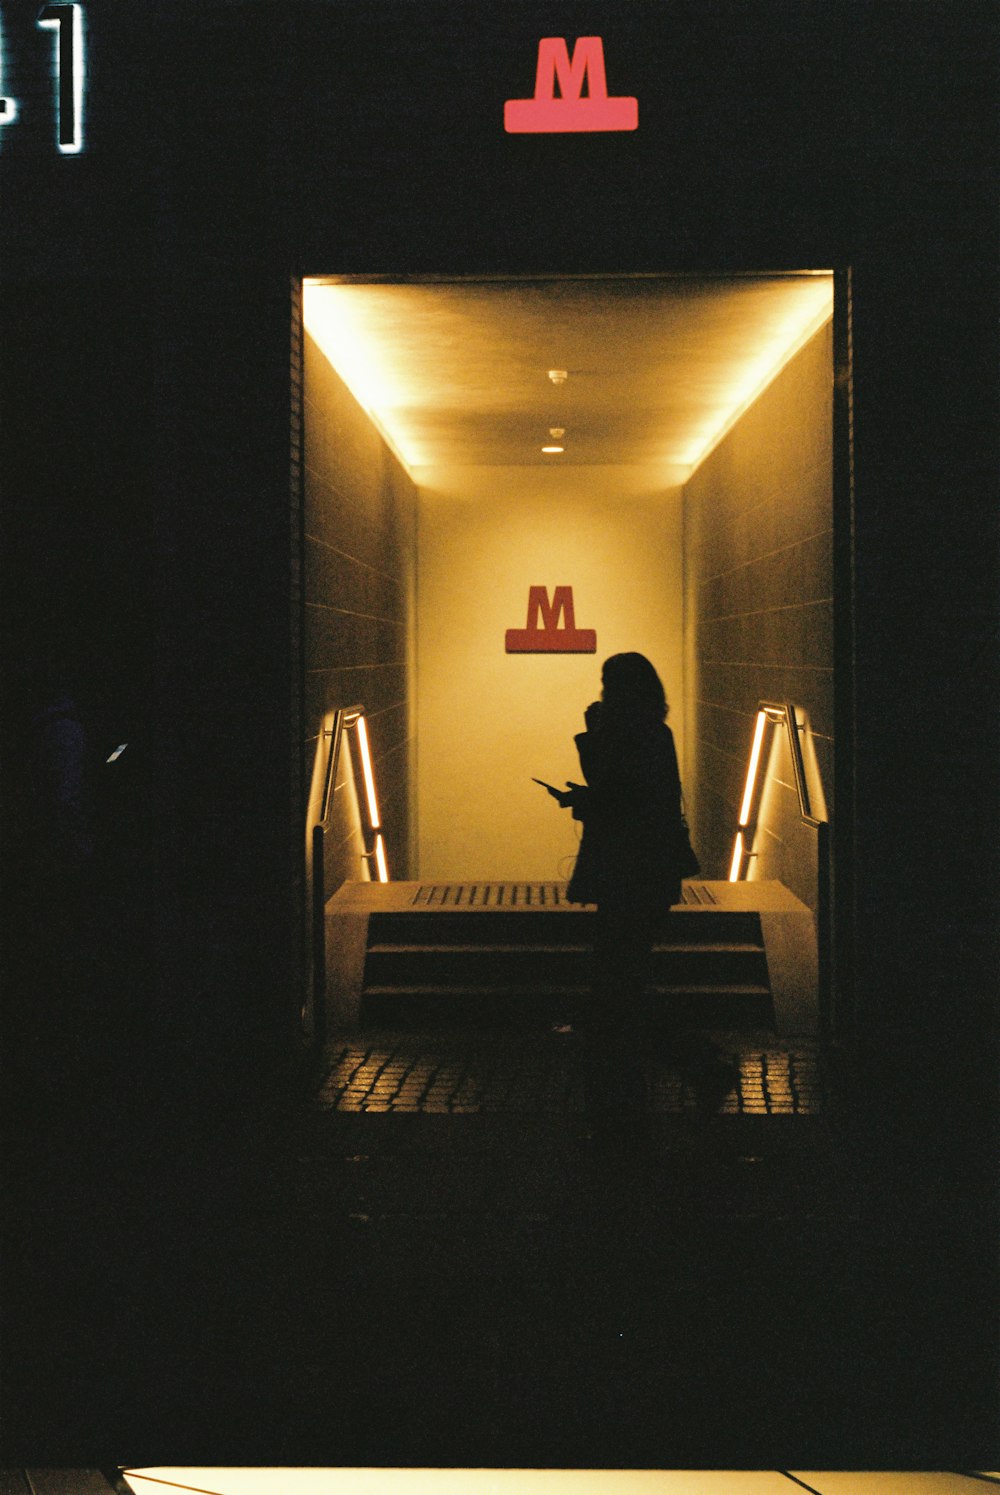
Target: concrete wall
[
  {"x": 758, "y": 555},
  {"x": 488, "y": 720},
  {"x": 359, "y": 557}
]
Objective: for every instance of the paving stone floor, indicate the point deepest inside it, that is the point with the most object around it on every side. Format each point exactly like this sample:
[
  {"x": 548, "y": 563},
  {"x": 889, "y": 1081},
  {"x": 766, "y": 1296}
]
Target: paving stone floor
[
  {"x": 418, "y": 1264},
  {"x": 462, "y": 1073}
]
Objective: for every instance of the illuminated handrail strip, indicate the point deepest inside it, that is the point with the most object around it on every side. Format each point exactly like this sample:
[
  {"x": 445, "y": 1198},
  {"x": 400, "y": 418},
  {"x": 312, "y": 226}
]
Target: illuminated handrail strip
[
  {"x": 344, "y": 718},
  {"x": 758, "y": 738},
  {"x": 366, "y": 769},
  {"x": 776, "y": 714}
]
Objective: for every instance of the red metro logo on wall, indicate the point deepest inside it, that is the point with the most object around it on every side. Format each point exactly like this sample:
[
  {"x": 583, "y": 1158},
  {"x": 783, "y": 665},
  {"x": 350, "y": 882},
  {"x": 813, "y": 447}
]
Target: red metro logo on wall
[
  {"x": 543, "y": 634},
  {"x": 573, "y": 110}
]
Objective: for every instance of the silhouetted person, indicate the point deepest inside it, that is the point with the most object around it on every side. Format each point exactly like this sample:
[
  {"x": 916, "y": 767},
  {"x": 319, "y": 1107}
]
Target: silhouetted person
[
  {"x": 63, "y": 794},
  {"x": 628, "y": 865},
  {"x": 70, "y": 879},
  {"x": 49, "y": 858}
]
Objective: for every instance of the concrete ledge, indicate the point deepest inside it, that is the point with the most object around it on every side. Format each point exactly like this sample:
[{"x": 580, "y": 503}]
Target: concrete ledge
[{"x": 399, "y": 897}]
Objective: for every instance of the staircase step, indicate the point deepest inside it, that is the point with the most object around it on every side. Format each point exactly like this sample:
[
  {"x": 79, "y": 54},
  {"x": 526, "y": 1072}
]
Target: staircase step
[
  {"x": 729, "y": 947},
  {"x": 710, "y": 1005},
  {"x": 656, "y": 989},
  {"x": 502, "y": 964},
  {"x": 548, "y": 965},
  {"x": 450, "y": 947},
  {"x": 551, "y": 926}
]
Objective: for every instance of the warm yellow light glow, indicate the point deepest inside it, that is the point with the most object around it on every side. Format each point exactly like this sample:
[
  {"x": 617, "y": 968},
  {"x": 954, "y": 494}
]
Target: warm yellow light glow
[
  {"x": 345, "y": 1481},
  {"x": 366, "y": 769},
  {"x": 758, "y": 737},
  {"x": 380, "y": 861},
  {"x": 338, "y": 323},
  {"x": 737, "y": 862},
  {"x": 803, "y": 315},
  {"x": 553, "y": 448},
  {"x": 442, "y": 376}
]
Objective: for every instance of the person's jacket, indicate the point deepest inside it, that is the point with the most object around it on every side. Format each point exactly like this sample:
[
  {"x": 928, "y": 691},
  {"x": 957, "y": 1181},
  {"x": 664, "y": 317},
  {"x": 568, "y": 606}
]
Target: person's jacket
[{"x": 630, "y": 807}]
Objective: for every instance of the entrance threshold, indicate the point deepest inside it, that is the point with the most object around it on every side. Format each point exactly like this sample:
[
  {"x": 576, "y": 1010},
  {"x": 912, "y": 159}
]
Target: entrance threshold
[{"x": 521, "y": 945}]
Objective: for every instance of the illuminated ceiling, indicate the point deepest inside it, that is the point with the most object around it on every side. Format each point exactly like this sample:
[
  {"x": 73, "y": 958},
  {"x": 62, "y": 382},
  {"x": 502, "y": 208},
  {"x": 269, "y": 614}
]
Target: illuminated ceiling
[{"x": 456, "y": 372}]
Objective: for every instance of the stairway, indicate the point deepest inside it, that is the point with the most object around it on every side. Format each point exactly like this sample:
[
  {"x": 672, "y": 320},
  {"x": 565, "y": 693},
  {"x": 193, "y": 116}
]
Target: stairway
[{"x": 497, "y": 954}]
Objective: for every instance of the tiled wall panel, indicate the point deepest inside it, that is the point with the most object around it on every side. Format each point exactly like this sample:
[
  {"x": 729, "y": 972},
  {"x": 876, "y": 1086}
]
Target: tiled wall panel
[
  {"x": 759, "y": 611},
  {"x": 359, "y": 546}
]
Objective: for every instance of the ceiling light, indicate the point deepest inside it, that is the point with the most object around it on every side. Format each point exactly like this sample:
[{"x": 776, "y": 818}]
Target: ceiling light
[
  {"x": 553, "y": 448},
  {"x": 558, "y": 376},
  {"x": 557, "y": 431}
]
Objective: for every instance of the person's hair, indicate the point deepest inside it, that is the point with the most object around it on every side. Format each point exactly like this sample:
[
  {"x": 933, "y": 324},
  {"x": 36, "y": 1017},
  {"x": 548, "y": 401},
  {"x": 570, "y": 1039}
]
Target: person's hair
[{"x": 633, "y": 689}]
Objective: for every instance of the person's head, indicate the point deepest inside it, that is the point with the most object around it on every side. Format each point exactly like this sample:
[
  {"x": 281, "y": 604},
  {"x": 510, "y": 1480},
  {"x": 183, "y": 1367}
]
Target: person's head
[{"x": 632, "y": 689}]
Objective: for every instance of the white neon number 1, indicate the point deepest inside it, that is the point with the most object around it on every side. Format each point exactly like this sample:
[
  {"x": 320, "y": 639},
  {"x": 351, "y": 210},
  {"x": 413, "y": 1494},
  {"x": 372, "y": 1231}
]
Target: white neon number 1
[
  {"x": 8, "y": 107},
  {"x": 67, "y": 22}
]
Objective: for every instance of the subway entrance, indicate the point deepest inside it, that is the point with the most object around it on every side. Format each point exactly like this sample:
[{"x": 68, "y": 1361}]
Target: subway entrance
[{"x": 506, "y": 480}]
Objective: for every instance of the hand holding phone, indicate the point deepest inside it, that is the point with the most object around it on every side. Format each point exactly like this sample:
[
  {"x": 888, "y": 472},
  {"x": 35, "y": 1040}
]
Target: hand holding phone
[
  {"x": 593, "y": 714},
  {"x": 564, "y": 796},
  {"x": 555, "y": 793}
]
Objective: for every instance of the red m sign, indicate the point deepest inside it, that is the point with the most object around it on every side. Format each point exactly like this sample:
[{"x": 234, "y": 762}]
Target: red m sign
[
  {"x": 543, "y": 635},
  {"x": 572, "y": 111}
]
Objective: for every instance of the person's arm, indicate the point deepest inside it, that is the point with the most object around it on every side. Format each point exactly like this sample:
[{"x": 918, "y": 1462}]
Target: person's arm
[{"x": 579, "y": 799}]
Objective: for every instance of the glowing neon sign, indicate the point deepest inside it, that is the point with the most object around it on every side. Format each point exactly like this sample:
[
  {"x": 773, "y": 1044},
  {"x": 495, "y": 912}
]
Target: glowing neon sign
[
  {"x": 68, "y": 74},
  {"x": 543, "y": 634},
  {"x": 8, "y": 107},
  {"x": 67, "y": 22},
  {"x": 342, "y": 719},
  {"x": 573, "y": 110}
]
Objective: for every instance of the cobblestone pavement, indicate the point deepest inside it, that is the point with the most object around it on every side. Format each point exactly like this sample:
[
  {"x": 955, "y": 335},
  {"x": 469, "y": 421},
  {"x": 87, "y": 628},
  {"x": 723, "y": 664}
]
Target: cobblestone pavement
[
  {"x": 463, "y": 1073},
  {"x": 418, "y": 1263},
  {"x": 470, "y": 1283}
]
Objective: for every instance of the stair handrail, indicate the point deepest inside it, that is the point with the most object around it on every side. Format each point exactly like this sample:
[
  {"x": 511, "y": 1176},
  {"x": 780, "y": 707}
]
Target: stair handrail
[
  {"x": 795, "y": 728},
  {"x": 795, "y": 721},
  {"x": 343, "y": 717}
]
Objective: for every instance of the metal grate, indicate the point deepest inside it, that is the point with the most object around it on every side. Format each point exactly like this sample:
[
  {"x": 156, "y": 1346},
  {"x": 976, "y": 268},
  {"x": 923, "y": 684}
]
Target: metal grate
[
  {"x": 520, "y": 895},
  {"x": 697, "y": 893},
  {"x": 490, "y": 895}
]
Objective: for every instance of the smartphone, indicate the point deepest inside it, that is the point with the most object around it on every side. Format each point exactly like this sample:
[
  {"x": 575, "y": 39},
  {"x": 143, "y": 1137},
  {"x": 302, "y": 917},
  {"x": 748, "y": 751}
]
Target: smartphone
[{"x": 556, "y": 793}]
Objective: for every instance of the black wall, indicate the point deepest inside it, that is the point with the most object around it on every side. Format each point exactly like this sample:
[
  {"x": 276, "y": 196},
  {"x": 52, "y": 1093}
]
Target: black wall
[
  {"x": 230, "y": 145},
  {"x": 149, "y": 427}
]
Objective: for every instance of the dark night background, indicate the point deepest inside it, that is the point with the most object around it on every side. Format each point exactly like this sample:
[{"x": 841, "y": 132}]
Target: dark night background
[{"x": 146, "y": 293}]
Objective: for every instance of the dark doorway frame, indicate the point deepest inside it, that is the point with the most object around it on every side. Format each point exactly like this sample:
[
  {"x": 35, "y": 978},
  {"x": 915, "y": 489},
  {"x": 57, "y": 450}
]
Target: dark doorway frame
[{"x": 836, "y": 909}]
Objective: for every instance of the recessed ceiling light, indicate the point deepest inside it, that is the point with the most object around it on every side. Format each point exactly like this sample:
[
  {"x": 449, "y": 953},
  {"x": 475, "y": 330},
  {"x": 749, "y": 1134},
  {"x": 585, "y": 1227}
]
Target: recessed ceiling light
[
  {"x": 557, "y": 431},
  {"x": 558, "y": 376},
  {"x": 553, "y": 448}
]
